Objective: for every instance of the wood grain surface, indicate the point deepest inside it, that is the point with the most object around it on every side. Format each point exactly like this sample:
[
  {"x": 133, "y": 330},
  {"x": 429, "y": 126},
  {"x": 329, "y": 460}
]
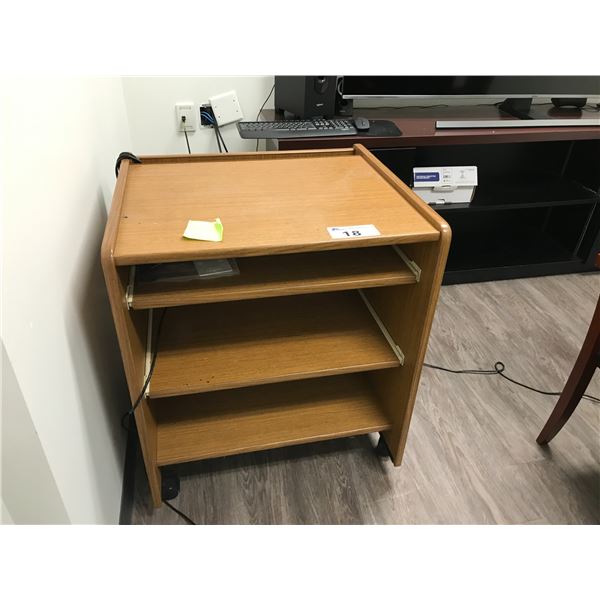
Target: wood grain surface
[
  {"x": 274, "y": 204},
  {"x": 234, "y": 344},
  {"x": 268, "y": 416},
  {"x": 267, "y": 206},
  {"x": 131, "y": 333},
  {"x": 411, "y": 325},
  {"x": 284, "y": 275},
  {"x": 471, "y": 455},
  {"x": 417, "y": 125}
]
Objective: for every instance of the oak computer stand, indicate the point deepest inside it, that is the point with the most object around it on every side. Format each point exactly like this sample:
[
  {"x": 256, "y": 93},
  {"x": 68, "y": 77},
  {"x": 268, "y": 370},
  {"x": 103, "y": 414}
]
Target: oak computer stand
[{"x": 316, "y": 338}]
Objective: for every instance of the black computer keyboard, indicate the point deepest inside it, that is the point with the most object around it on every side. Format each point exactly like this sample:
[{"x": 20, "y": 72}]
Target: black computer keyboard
[{"x": 295, "y": 129}]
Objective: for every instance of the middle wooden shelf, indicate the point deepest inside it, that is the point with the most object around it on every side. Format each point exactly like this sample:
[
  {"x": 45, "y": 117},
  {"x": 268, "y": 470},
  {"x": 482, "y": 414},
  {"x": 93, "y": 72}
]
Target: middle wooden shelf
[
  {"x": 283, "y": 275},
  {"x": 238, "y": 344}
]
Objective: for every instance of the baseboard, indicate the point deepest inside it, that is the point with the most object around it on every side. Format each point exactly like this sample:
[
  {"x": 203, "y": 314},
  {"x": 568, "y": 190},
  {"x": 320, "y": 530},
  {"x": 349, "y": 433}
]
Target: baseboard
[{"x": 128, "y": 490}]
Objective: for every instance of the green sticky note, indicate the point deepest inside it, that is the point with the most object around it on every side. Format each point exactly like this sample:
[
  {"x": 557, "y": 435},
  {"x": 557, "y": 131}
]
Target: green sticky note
[{"x": 210, "y": 231}]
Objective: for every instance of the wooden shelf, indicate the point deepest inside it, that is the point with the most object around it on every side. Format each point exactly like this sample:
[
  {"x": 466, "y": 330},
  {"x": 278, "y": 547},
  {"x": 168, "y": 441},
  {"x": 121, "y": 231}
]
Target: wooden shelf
[
  {"x": 268, "y": 416},
  {"x": 306, "y": 343},
  {"x": 220, "y": 346},
  {"x": 283, "y": 275},
  {"x": 271, "y": 203}
]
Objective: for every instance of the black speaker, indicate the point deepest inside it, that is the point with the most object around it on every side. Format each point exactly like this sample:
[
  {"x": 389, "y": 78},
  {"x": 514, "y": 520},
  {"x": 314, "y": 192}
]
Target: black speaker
[
  {"x": 343, "y": 108},
  {"x": 569, "y": 102},
  {"x": 306, "y": 96}
]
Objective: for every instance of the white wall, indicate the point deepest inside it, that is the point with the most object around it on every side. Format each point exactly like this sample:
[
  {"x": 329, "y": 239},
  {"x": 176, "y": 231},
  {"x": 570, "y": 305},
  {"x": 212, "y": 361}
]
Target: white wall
[
  {"x": 63, "y": 384},
  {"x": 29, "y": 486},
  {"x": 5, "y": 518},
  {"x": 151, "y": 111}
]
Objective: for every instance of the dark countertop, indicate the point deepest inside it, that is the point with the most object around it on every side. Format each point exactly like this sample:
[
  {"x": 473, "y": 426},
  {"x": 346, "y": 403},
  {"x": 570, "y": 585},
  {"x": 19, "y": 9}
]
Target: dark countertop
[{"x": 418, "y": 128}]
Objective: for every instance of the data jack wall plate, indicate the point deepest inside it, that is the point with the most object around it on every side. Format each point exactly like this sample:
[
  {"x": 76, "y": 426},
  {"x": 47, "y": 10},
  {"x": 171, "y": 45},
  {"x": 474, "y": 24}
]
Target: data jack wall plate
[
  {"x": 187, "y": 110},
  {"x": 226, "y": 108}
]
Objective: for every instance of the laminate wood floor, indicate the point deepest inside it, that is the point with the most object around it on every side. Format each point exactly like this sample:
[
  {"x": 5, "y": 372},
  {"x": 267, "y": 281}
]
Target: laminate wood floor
[{"x": 471, "y": 455}]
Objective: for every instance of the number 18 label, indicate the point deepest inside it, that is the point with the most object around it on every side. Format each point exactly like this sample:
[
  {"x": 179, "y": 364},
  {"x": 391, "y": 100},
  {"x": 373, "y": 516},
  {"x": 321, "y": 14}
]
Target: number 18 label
[{"x": 353, "y": 231}]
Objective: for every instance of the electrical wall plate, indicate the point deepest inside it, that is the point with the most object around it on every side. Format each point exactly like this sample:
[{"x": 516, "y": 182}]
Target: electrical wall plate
[
  {"x": 187, "y": 110},
  {"x": 226, "y": 108}
]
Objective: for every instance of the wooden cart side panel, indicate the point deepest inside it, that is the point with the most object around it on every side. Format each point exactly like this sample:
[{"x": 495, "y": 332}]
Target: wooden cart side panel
[
  {"x": 131, "y": 331},
  {"x": 132, "y": 340},
  {"x": 407, "y": 312}
]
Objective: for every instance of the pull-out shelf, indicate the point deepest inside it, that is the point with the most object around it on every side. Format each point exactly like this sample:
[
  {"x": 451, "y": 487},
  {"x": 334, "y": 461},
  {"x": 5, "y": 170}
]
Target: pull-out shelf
[{"x": 283, "y": 275}]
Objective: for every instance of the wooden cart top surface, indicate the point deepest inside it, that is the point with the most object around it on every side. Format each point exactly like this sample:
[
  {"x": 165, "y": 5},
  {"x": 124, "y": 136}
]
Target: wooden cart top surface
[{"x": 269, "y": 203}]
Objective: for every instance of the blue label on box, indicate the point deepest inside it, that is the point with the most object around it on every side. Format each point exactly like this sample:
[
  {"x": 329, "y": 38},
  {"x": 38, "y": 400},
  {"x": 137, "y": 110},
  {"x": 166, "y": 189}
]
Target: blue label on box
[{"x": 432, "y": 176}]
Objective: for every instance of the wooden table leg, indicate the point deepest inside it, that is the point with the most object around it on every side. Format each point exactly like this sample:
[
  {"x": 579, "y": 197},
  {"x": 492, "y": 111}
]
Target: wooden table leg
[{"x": 587, "y": 362}]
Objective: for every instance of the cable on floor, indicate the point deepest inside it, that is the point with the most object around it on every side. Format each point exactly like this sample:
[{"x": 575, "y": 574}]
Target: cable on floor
[
  {"x": 180, "y": 513},
  {"x": 131, "y": 411},
  {"x": 499, "y": 368}
]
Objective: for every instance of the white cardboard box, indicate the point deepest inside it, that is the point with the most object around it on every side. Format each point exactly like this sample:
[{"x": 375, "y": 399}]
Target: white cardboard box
[{"x": 445, "y": 185}]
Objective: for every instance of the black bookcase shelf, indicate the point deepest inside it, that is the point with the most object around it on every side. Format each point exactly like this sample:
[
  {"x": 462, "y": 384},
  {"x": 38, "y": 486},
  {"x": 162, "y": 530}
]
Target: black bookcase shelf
[
  {"x": 541, "y": 191},
  {"x": 518, "y": 242},
  {"x": 490, "y": 249},
  {"x": 536, "y": 210}
]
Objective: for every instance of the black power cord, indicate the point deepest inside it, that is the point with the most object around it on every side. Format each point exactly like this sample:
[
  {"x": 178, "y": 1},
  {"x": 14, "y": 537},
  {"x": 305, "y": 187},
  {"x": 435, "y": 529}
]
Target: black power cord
[
  {"x": 261, "y": 109},
  {"x": 187, "y": 141},
  {"x": 131, "y": 411},
  {"x": 212, "y": 121},
  {"x": 222, "y": 139},
  {"x": 125, "y": 156},
  {"x": 218, "y": 139},
  {"x": 180, "y": 513},
  {"x": 499, "y": 369},
  {"x": 219, "y": 136}
]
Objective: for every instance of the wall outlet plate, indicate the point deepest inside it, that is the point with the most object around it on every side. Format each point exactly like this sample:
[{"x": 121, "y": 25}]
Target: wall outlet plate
[
  {"x": 187, "y": 110},
  {"x": 226, "y": 108}
]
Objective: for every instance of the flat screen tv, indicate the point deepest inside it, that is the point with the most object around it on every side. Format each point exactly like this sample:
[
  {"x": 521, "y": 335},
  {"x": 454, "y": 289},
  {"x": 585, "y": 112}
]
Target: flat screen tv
[
  {"x": 469, "y": 86},
  {"x": 517, "y": 92}
]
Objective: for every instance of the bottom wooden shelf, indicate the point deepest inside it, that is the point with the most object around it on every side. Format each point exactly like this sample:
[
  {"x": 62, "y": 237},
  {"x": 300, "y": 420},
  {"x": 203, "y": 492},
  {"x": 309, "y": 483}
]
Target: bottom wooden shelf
[{"x": 267, "y": 416}]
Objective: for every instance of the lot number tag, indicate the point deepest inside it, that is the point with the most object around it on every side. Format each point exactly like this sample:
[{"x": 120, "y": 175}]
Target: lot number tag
[{"x": 353, "y": 231}]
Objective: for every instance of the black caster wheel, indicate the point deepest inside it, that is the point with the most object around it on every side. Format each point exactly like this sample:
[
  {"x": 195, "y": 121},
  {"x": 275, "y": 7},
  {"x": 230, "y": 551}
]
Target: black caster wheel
[
  {"x": 170, "y": 484},
  {"x": 382, "y": 448}
]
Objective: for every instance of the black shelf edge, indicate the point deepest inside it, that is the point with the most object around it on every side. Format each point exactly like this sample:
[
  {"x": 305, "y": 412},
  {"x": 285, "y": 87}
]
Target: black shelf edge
[
  {"x": 454, "y": 277},
  {"x": 537, "y": 190},
  {"x": 442, "y": 208}
]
